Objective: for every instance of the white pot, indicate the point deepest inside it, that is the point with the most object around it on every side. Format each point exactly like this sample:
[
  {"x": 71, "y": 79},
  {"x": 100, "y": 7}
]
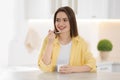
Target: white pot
[{"x": 104, "y": 55}]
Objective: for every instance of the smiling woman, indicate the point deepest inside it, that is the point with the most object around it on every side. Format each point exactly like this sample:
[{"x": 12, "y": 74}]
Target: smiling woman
[{"x": 77, "y": 57}]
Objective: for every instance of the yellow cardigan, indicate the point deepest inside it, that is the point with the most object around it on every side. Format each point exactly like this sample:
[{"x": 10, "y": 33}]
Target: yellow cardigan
[{"x": 79, "y": 56}]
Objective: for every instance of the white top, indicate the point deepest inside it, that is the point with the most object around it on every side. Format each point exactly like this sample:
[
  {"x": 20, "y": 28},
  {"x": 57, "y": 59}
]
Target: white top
[{"x": 64, "y": 54}]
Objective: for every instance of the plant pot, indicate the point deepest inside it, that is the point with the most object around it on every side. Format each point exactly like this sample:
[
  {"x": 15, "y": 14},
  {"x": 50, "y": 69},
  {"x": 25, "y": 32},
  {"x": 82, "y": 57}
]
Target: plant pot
[{"x": 104, "y": 55}]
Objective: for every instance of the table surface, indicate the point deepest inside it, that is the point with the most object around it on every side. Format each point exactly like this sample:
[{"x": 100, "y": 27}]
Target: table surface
[{"x": 39, "y": 75}]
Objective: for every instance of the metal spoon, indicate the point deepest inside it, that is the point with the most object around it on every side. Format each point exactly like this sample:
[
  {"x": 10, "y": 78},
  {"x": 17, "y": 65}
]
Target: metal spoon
[{"x": 57, "y": 32}]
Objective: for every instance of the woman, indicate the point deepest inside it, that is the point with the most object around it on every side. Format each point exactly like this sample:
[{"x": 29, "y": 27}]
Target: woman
[{"x": 65, "y": 46}]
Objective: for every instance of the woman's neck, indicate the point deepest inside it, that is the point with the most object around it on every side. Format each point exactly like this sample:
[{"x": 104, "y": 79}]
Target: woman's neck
[{"x": 64, "y": 38}]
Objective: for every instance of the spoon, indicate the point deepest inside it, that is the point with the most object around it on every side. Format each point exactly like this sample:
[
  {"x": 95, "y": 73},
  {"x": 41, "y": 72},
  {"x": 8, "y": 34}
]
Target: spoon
[{"x": 57, "y": 32}]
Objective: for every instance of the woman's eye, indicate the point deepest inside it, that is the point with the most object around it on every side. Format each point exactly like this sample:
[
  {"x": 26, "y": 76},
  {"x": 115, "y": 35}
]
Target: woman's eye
[
  {"x": 57, "y": 20},
  {"x": 65, "y": 20}
]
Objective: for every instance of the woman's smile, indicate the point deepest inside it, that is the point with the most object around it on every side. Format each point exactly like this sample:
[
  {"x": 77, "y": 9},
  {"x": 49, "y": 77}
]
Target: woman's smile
[{"x": 61, "y": 28}]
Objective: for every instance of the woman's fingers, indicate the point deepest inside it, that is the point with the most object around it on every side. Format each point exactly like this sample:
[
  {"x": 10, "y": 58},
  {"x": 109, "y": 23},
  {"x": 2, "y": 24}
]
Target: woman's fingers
[
  {"x": 65, "y": 69},
  {"x": 51, "y": 36}
]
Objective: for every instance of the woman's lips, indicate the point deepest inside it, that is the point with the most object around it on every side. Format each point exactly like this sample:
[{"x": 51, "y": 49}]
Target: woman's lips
[{"x": 61, "y": 28}]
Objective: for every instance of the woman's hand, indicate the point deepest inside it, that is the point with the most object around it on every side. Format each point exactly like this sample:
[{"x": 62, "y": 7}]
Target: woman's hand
[
  {"x": 51, "y": 36},
  {"x": 66, "y": 69},
  {"x": 48, "y": 51},
  {"x": 74, "y": 69}
]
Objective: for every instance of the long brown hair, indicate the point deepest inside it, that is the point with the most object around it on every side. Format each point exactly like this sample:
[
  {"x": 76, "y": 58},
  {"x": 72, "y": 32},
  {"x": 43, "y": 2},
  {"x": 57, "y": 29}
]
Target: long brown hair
[{"x": 72, "y": 20}]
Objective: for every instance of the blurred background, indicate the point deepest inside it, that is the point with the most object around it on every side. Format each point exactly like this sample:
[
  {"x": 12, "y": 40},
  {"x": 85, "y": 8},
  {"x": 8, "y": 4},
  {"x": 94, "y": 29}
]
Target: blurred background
[{"x": 24, "y": 24}]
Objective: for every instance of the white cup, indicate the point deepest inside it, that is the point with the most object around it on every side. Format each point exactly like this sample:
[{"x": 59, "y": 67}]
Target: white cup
[{"x": 58, "y": 67}]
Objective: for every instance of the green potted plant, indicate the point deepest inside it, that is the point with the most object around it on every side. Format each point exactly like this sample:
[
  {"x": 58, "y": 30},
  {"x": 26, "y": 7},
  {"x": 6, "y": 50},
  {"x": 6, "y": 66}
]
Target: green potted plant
[{"x": 104, "y": 46}]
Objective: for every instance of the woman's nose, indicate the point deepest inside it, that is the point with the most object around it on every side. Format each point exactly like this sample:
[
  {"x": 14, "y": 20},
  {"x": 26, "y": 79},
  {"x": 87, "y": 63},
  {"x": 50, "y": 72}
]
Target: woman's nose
[{"x": 61, "y": 23}]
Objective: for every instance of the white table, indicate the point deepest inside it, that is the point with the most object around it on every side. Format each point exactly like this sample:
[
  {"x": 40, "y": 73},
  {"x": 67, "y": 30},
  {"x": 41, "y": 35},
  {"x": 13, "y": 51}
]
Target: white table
[{"x": 38, "y": 75}]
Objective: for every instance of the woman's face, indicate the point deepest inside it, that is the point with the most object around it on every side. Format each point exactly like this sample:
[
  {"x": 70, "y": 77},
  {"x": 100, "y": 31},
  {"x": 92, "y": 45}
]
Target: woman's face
[{"x": 62, "y": 22}]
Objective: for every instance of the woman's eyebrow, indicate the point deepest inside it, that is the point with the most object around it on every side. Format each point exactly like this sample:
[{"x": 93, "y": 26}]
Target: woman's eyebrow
[
  {"x": 62, "y": 18},
  {"x": 57, "y": 18},
  {"x": 65, "y": 18}
]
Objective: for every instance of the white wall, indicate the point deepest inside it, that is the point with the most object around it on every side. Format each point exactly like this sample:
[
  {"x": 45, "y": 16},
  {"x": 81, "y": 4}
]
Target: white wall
[
  {"x": 114, "y": 9},
  {"x": 100, "y": 9},
  {"x": 86, "y": 9},
  {"x": 111, "y": 30},
  {"x": 37, "y": 9},
  {"x": 17, "y": 52},
  {"x": 88, "y": 29},
  {"x": 7, "y": 24}
]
